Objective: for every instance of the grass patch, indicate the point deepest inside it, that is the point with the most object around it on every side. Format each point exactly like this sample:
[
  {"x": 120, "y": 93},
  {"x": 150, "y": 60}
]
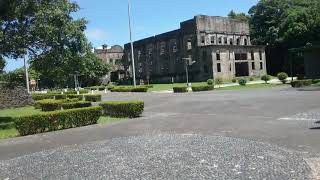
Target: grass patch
[
  {"x": 253, "y": 86},
  {"x": 16, "y": 112}
]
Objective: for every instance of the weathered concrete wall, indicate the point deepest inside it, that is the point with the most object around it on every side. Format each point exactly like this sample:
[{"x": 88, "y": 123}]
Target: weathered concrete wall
[{"x": 16, "y": 97}]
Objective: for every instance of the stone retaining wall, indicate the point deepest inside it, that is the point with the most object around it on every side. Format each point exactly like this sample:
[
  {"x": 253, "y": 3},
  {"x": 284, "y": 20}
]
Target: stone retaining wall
[{"x": 14, "y": 97}]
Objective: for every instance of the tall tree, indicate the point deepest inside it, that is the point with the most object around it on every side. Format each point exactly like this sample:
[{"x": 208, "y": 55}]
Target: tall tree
[
  {"x": 238, "y": 16},
  {"x": 284, "y": 24},
  {"x": 2, "y": 65},
  {"x": 46, "y": 31}
]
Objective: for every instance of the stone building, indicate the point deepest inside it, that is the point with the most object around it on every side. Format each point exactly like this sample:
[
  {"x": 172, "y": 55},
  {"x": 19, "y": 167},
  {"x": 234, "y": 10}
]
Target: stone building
[
  {"x": 219, "y": 47},
  {"x": 112, "y": 56}
]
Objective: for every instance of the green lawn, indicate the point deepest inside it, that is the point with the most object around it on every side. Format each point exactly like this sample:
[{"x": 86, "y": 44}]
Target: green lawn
[
  {"x": 7, "y": 129},
  {"x": 253, "y": 86}
]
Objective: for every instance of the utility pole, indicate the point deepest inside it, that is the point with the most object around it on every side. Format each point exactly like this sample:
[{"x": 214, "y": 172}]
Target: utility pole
[
  {"x": 26, "y": 72},
  {"x": 132, "y": 54}
]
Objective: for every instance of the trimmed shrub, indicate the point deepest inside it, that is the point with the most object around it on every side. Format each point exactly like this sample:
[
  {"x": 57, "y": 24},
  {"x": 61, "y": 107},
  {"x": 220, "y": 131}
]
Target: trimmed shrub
[
  {"x": 83, "y": 91},
  {"x": 49, "y": 104},
  {"x": 202, "y": 88},
  {"x": 74, "y": 105},
  {"x": 180, "y": 89},
  {"x": 129, "y": 109},
  {"x": 282, "y": 76},
  {"x": 56, "y": 120},
  {"x": 315, "y": 81},
  {"x": 75, "y": 96},
  {"x": 60, "y": 96},
  {"x": 210, "y": 82},
  {"x": 251, "y": 79},
  {"x": 234, "y": 80},
  {"x": 265, "y": 78},
  {"x": 129, "y": 89},
  {"x": 301, "y": 83},
  {"x": 37, "y": 96},
  {"x": 242, "y": 82},
  {"x": 92, "y": 97}
]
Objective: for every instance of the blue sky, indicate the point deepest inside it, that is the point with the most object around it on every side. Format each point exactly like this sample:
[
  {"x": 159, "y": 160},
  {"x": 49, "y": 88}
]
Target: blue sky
[{"x": 108, "y": 19}]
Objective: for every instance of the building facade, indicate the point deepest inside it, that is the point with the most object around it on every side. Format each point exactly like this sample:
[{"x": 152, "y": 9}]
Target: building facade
[
  {"x": 112, "y": 56},
  {"x": 211, "y": 47}
]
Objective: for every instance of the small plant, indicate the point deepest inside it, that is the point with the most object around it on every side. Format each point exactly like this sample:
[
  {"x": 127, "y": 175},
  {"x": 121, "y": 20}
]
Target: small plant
[
  {"x": 282, "y": 77},
  {"x": 251, "y": 79},
  {"x": 218, "y": 81},
  {"x": 210, "y": 82},
  {"x": 242, "y": 82},
  {"x": 301, "y": 83},
  {"x": 234, "y": 80},
  {"x": 265, "y": 78}
]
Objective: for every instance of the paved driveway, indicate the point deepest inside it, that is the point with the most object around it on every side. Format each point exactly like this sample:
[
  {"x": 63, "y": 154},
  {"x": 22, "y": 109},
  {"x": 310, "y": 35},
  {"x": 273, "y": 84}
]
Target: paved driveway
[{"x": 245, "y": 134}]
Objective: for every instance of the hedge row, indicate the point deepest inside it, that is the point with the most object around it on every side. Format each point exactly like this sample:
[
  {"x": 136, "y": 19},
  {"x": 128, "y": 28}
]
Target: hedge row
[
  {"x": 180, "y": 89},
  {"x": 129, "y": 109},
  {"x": 92, "y": 97},
  {"x": 301, "y": 83},
  {"x": 129, "y": 89},
  {"x": 57, "y": 120},
  {"x": 202, "y": 88},
  {"x": 53, "y": 105},
  {"x": 99, "y": 88}
]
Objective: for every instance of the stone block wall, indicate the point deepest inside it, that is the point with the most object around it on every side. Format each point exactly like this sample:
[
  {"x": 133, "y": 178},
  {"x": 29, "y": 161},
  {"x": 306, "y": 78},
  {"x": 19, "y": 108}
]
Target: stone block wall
[{"x": 14, "y": 97}]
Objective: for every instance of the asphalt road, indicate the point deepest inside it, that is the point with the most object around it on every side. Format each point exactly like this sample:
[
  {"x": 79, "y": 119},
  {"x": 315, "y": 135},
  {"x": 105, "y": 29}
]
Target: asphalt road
[{"x": 244, "y": 134}]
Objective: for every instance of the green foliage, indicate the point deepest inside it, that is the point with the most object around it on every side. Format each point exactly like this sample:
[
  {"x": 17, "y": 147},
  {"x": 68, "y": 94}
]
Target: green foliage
[
  {"x": 234, "y": 80},
  {"x": 218, "y": 81},
  {"x": 2, "y": 65},
  {"x": 129, "y": 89},
  {"x": 266, "y": 78},
  {"x": 242, "y": 82},
  {"x": 38, "y": 96},
  {"x": 202, "y": 88},
  {"x": 291, "y": 23},
  {"x": 129, "y": 109},
  {"x": 74, "y": 96},
  {"x": 301, "y": 83},
  {"x": 17, "y": 77},
  {"x": 251, "y": 79},
  {"x": 210, "y": 82},
  {"x": 57, "y": 120},
  {"x": 180, "y": 89},
  {"x": 282, "y": 76},
  {"x": 74, "y": 105},
  {"x": 315, "y": 81},
  {"x": 49, "y": 104},
  {"x": 92, "y": 97},
  {"x": 60, "y": 96},
  {"x": 238, "y": 16}
]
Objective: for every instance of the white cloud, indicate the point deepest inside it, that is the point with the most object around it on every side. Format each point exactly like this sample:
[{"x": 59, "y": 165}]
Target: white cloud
[{"x": 96, "y": 34}]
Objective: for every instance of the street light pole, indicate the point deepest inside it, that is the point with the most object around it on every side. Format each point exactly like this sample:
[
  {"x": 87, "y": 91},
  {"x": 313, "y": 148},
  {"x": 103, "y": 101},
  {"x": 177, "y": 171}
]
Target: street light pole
[
  {"x": 26, "y": 72},
  {"x": 132, "y": 54}
]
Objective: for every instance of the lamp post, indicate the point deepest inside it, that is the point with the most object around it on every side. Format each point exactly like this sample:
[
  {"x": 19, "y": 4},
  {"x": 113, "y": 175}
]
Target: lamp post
[
  {"x": 131, "y": 43},
  {"x": 26, "y": 72},
  {"x": 188, "y": 62}
]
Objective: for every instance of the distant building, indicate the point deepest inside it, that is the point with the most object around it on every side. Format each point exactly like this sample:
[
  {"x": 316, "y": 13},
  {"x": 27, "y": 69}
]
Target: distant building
[
  {"x": 112, "y": 56},
  {"x": 220, "y": 47}
]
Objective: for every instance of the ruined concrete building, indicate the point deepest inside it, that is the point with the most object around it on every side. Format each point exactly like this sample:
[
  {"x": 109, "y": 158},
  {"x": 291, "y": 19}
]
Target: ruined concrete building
[
  {"x": 217, "y": 47},
  {"x": 112, "y": 56}
]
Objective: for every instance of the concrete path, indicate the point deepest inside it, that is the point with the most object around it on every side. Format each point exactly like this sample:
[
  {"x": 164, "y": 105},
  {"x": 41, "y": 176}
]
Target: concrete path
[{"x": 246, "y": 134}]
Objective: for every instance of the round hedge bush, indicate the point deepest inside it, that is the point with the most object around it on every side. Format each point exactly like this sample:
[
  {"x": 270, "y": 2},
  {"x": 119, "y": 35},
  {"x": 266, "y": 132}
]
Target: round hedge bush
[
  {"x": 210, "y": 82},
  {"x": 266, "y": 78},
  {"x": 242, "y": 82},
  {"x": 282, "y": 76},
  {"x": 234, "y": 80}
]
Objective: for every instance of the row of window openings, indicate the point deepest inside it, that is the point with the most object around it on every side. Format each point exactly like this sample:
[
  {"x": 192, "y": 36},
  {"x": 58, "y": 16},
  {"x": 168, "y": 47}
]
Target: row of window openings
[
  {"x": 242, "y": 56},
  {"x": 212, "y": 40},
  {"x": 253, "y": 66}
]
